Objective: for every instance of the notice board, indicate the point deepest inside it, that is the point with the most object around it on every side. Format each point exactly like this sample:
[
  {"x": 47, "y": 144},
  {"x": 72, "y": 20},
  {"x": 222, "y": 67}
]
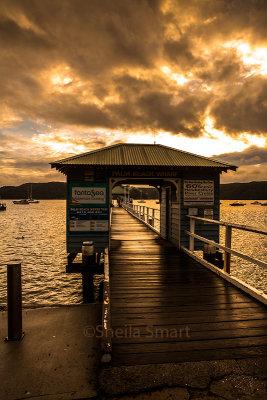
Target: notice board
[
  {"x": 198, "y": 192},
  {"x": 88, "y": 208}
]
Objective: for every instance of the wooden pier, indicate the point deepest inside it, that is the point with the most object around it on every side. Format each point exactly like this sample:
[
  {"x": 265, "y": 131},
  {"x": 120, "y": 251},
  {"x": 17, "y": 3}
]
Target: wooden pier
[{"x": 168, "y": 308}]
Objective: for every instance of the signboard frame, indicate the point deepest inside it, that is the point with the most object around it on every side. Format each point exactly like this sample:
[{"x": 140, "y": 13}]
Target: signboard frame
[{"x": 198, "y": 192}]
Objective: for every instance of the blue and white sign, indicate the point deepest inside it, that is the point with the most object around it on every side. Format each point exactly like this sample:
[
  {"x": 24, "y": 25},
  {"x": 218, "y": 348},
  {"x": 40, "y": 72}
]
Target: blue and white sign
[{"x": 88, "y": 208}]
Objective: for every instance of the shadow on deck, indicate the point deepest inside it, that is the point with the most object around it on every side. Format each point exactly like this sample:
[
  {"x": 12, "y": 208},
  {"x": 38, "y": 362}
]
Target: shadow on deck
[{"x": 167, "y": 308}]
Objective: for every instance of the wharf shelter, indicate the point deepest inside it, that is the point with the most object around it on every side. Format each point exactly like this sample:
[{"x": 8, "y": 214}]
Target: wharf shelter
[{"x": 188, "y": 184}]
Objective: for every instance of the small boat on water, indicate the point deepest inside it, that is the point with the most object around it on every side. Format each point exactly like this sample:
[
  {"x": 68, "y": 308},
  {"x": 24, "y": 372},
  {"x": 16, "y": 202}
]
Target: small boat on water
[
  {"x": 255, "y": 202},
  {"x": 2, "y": 206},
  {"x": 23, "y": 201},
  {"x": 263, "y": 204},
  {"x": 237, "y": 204}
]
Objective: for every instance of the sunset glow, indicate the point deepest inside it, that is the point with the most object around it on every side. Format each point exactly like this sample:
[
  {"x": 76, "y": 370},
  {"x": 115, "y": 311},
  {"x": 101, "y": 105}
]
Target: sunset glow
[
  {"x": 180, "y": 79},
  {"x": 255, "y": 58},
  {"x": 190, "y": 75}
]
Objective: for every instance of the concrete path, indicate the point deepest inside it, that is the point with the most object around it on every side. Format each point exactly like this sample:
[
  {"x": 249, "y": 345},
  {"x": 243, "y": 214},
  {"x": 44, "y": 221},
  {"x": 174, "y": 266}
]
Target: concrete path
[
  {"x": 57, "y": 359},
  {"x": 243, "y": 379}
]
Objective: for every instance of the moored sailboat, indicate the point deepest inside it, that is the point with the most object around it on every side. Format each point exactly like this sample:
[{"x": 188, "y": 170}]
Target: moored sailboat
[
  {"x": 30, "y": 199},
  {"x": 23, "y": 201}
]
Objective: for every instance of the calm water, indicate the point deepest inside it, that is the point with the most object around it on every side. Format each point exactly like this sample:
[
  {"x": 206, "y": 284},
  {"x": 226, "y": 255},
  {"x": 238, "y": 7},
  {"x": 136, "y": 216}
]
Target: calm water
[
  {"x": 34, "y": 235},
  {"x": 252, "y": 244}
]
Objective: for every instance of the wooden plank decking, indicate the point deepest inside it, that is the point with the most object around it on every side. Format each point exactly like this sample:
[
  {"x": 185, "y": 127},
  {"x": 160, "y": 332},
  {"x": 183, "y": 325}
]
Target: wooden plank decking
[{"x": 166, "y": 307}]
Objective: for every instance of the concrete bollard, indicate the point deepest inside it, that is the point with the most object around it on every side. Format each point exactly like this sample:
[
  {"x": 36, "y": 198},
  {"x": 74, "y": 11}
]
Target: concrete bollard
[
  {"x": 14, "y": 302},
  {"x": 88, "y": 260},
  {"x": 88, "y": 254}
]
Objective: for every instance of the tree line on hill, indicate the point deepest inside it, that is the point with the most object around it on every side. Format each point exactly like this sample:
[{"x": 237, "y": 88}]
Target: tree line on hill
[{"x": 58, "y": 190}]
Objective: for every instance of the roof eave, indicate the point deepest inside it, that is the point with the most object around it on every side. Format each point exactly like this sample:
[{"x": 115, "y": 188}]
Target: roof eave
[{"x": 64, "y": 167}]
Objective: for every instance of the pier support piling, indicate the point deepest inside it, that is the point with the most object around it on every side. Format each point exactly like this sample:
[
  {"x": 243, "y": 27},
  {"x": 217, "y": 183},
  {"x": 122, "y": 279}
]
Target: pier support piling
[
  {"x": 14, "y": 302},
  {"x": 88, "y": 261}
]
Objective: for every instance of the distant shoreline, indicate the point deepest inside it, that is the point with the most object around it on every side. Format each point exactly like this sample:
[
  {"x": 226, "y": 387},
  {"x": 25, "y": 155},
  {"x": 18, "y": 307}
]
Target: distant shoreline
[{"x": 58, "y": 191}]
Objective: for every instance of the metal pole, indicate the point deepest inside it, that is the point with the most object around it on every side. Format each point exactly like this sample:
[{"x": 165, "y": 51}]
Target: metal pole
[{"x": 14, "y": 302}]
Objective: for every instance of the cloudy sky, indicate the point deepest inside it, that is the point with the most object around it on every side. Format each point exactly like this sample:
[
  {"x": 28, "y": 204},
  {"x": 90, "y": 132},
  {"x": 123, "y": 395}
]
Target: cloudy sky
[{"x": 77, "y": 75}]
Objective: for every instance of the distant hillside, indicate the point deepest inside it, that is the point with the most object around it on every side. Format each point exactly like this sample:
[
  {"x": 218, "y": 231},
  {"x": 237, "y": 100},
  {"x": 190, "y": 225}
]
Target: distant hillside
[
  {"x": 49, "y": 190},
  {"x": 57, "y": 190},
  {"x": 244, "y": 191}
]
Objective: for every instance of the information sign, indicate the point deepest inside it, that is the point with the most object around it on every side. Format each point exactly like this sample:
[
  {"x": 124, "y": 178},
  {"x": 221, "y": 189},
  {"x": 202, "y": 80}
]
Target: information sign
[
  {"x": 88, "y": 208},
  {"x": 198, "y": 192}
]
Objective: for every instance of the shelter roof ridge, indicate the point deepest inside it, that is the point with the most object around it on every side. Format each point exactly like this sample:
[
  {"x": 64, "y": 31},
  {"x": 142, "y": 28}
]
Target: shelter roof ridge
[{"x": 121, "y": 145}]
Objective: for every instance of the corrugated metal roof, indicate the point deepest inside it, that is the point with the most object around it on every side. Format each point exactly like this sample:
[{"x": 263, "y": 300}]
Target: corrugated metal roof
[{"x": 127, "y": 154}]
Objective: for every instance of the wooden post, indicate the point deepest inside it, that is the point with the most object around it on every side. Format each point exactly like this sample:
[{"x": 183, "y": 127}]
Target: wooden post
[
  {"x": 153, "y": 216},
  {"x": 88, "y": 260},
  {"x": 192, "y": 239},
  {"x": 98, "y": 257},
  {"x": 227, "y": 256},
  {"x": 149, "y": 217},
  {"x": 14, "y": 302}
]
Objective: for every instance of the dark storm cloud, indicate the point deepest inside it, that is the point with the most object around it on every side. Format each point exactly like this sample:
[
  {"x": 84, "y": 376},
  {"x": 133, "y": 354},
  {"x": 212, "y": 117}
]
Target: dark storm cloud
[
  {"x": 66, "y": 109},
  {"x": 251, "y": 162},
  {"x": 251, "y": 156},
  {"x": 107, "y": 44},
  {"x": 91, "y": 37},
  {"x": 181, "y": 117},
  {"x": 221, "y": 19},
  {"x": 88, "y": 33},
  {"x": 222, "y": 68},
  {"x": 244, "y": 109},
  {"x": 179, "y": 52},
  {"x": 11, "y": 34},
  {"x": 248, "y": 173},
  {"x": 158, "y": 104}
]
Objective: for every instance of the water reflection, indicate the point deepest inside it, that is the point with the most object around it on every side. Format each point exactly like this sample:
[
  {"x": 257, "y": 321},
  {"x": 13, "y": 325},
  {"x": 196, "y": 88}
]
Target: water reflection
[{"x": 35, "y": 235}]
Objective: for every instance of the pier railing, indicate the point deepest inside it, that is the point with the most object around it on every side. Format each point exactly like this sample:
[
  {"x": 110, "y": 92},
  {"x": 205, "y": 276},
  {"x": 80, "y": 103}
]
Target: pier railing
[
  {"x": 150, "y": 216},
  {"x": 106, "y": 345},
  {"x": 228, "y": 251}
]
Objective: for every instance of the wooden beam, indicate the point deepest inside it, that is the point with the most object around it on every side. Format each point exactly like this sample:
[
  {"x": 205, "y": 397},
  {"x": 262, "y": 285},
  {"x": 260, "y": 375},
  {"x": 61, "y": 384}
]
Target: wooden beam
[
  {"x": 237, "y": 226},
  {"x": 234, "y": 252}
]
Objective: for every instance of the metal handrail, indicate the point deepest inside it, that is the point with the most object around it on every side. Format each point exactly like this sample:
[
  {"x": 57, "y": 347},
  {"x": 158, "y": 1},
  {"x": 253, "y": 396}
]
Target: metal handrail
[
  {"x": 228, "y": 239},
  {"x": 144, "y": 214}
]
